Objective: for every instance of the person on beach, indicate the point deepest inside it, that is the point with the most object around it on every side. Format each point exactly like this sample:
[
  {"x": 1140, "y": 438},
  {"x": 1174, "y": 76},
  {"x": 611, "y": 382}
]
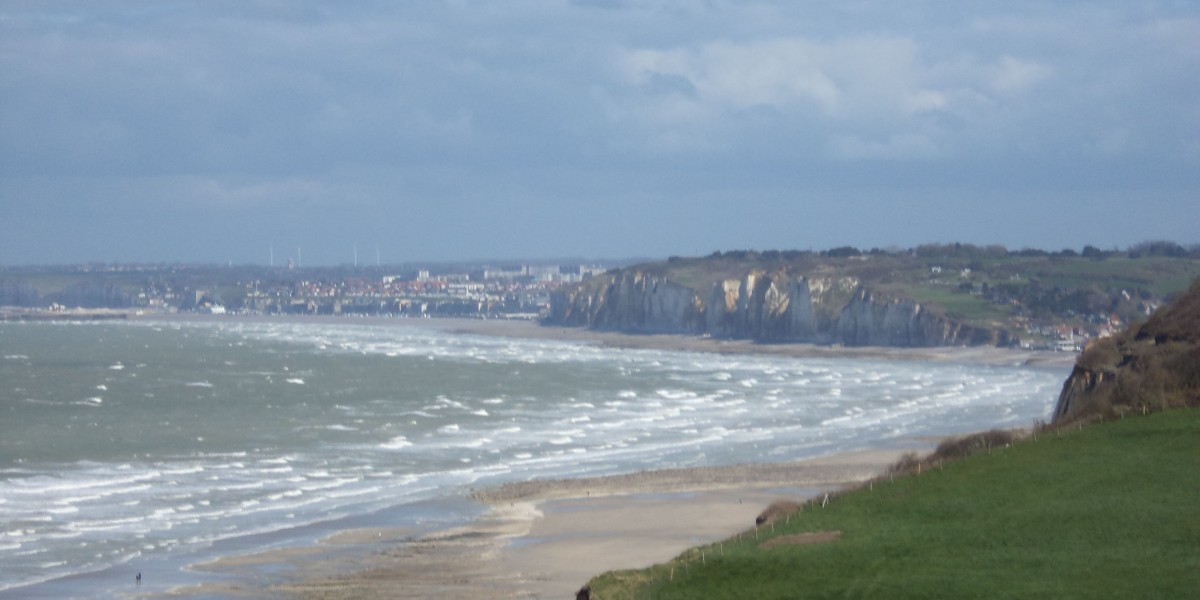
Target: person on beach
[{"x": 138, "y": 579}]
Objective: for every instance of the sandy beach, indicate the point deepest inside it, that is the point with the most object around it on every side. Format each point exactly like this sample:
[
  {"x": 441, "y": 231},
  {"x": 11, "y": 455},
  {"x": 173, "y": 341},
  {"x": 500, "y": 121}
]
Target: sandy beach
[{"x": 546, "y": 539}]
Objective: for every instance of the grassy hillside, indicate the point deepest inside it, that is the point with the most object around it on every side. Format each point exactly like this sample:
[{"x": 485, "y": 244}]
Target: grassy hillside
[{"x": 1107, "y": 511}]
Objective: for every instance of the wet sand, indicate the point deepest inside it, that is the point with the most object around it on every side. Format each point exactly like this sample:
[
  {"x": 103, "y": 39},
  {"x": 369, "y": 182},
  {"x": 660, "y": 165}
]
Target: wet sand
[{"x": 546, "y": 539}]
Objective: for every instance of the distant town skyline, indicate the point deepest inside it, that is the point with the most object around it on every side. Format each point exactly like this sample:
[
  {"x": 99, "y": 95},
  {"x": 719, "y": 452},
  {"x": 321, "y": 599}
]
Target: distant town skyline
[{"x": 329, "y": 133}]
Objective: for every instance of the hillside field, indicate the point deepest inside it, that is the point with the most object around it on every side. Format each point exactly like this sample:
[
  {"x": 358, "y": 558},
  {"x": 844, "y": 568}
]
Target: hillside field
[{"x": 1104, "y": 511}]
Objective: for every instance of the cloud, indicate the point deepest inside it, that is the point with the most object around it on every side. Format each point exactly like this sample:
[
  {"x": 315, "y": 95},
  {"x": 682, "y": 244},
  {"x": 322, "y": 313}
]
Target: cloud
[
  {"x": 843, "y": 92},
  {"x": 903, "y": 146},
  {"x": 779, "y": 73},
  {"x": 1010, "y": 75},
  {"x": 453, "y": 109}
]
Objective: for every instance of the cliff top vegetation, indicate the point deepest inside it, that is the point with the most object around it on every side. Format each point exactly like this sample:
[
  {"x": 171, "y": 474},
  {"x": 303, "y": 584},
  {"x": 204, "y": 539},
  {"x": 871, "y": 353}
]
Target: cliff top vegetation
[{"x": 981, "y": 285}]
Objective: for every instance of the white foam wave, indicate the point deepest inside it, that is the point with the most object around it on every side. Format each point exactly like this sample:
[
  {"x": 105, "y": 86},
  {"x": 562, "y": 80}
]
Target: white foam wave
[{"x": 396, "y": 443}]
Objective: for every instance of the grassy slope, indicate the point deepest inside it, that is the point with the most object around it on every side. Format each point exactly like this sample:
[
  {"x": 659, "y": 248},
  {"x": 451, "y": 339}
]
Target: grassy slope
[{"x": 1112, "y": 510}]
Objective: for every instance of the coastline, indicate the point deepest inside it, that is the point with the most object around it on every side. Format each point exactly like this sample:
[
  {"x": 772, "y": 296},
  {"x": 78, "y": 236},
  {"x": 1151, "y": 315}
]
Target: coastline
[
  {"x": 691, "y": 343},
  {"x": 547, "y": 538},
  {"x": 530, "y": 329}
]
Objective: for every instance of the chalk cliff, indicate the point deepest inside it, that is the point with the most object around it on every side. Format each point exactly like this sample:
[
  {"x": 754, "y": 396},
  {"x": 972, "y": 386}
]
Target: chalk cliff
[
  {"x": 765, "y": 307},
  {"x": 630, "y": 301}
]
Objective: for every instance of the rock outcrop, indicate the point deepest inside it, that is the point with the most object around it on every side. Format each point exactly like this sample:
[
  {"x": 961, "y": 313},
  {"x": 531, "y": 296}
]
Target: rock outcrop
[
  {"x": 761, "y": 307},
  {"x": 764, "y": 307},
  {"x": 1080, "y": 389},
  {"x": 1150, "y": 367},
  {"x": 630, "y": 301}
]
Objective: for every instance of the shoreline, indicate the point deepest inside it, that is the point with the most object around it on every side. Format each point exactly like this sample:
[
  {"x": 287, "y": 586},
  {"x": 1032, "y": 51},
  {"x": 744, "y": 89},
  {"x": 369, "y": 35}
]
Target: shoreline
[
  {"x": 547, "y": 538},
  {"x": 532, "y": 329},
  {"x": 691, "y": 343}
]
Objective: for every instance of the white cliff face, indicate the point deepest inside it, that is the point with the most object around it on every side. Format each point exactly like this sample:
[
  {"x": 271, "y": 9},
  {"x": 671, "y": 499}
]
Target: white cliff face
[
  {"x": 633, "y": 302},
  {"x": 802, "y": 320},
  {"x": 720, "y": 318},
  {"x": 866, "y": 321},
  {"x": 766, "y": 307}
]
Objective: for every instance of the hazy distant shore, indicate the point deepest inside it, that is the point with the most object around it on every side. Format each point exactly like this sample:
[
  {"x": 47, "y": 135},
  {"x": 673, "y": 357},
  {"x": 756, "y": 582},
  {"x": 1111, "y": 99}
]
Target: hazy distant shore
[
  {"x": 690, "y": 343},
  {"x": 9, "y": 313},
  {"x": 529, "y": 329}
]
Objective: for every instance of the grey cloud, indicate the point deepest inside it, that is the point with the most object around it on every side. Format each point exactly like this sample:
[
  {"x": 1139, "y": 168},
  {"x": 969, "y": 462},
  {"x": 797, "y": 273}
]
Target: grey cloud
[{"x": 441, "y": 112}]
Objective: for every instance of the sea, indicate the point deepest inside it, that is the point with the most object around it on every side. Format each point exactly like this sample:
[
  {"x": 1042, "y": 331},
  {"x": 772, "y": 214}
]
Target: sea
[{"x": 153, "y": 446}]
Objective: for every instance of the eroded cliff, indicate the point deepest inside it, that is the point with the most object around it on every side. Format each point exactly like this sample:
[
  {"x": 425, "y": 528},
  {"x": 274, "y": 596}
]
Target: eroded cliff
[
  {"x": 629, "y": 301},
  {"x": 1150, "y": 367},
  {"x": 765, "y": 307}
]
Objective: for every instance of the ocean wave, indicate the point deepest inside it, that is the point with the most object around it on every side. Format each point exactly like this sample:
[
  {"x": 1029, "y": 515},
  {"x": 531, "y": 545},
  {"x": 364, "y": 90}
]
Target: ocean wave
[{"x": 396, "y": 443}]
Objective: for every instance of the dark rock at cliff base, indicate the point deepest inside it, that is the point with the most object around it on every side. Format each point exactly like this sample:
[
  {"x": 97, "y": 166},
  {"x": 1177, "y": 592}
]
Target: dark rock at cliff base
[{"x": 1150, "y": 367}]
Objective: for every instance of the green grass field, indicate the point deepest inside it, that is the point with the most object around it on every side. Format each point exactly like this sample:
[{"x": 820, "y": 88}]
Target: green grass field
[
  {"x": 960, "y": 305},
  {"x": 1109, "y": 511}
]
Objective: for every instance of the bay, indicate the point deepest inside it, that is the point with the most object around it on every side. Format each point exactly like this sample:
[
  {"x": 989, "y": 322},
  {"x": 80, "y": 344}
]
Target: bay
[{"x": 127, "y": 446}]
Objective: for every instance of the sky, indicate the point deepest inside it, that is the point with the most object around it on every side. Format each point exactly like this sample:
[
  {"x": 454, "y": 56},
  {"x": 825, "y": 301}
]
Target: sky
[{"x": 236, "y": 131}]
